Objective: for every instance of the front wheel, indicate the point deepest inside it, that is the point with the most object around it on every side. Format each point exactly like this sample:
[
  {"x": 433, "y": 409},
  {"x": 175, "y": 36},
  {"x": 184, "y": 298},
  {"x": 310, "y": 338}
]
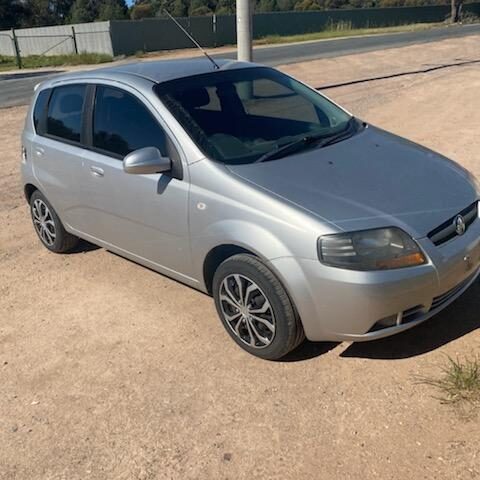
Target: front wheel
[{"x": 255, "y": 309}]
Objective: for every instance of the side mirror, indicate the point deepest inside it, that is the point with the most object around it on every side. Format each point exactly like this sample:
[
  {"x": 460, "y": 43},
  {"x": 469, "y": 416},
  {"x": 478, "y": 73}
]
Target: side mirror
[{"x": 146, "y": 161}]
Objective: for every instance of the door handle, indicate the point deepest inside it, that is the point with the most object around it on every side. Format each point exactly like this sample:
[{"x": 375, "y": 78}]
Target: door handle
[
  {"x": 97, "y": 171},
  {"x": 39, "y": 151}
]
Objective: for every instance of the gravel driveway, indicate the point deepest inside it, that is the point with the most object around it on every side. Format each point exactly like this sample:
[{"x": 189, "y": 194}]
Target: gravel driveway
[{"x": 111, "y": 371}]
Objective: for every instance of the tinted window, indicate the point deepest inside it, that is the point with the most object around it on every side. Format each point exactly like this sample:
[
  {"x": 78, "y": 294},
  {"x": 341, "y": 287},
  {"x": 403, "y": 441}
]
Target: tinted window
[
  {"x": 237, "y": 116},
  {"x": 39, "y": 110},
  {"x": 122, "y": 124},
  {"x": 272, "y": 99},
  {"x": 64, "y": 117}
]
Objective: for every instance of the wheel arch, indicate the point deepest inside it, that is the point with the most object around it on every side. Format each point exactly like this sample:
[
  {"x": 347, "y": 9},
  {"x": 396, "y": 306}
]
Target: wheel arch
[
  {"x": 227, "y": 238},
  {"x": 28, "y": 191},
  {"x": 216, "y": 256}
]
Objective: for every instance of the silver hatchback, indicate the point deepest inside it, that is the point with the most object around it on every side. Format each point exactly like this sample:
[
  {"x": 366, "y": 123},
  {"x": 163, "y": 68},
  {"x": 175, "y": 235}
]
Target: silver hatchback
[{"x": 244, "y": 183}]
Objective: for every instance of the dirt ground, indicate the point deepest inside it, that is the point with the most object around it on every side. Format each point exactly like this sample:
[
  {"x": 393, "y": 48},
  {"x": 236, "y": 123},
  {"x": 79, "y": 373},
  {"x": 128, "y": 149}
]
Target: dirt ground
[{"x": 111, "y": 371}]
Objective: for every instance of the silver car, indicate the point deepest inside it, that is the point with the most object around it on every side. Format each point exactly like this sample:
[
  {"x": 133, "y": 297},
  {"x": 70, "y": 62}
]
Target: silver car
[{"x": 248, "y": 185}]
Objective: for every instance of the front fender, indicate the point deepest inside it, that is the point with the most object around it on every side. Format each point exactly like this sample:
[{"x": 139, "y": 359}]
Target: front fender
[{"x": 240, "y": 233}]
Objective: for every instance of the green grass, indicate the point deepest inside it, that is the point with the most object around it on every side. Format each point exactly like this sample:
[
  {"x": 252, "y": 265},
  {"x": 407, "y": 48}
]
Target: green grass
[
  {"x": 343, "y": 29},
  {"x": 459, "y": 381},
  {"x": 35, "y": 61}
]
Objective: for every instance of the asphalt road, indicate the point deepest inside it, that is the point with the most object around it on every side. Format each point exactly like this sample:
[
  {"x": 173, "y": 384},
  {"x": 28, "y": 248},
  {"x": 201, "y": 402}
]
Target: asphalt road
[{"x": 16, "y": 89}]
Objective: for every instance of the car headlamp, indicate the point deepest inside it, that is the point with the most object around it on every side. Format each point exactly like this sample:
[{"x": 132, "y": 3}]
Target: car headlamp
[{"x": 378, "y": 249}]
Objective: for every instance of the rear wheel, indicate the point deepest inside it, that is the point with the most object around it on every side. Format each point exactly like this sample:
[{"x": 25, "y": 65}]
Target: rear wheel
[
  {"x": 255, "y": 308},
  {"x": 48, "y": 226}
]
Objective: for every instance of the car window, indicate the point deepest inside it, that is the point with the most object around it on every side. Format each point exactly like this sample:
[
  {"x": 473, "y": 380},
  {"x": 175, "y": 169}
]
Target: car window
[
  {"x": 122, "y": 124},
  {"x": 64, "y": 118},
  {"x": 237, "y": 116},
  {"x": 39, "y": 109},
  {"x": 267, "y": 98}
]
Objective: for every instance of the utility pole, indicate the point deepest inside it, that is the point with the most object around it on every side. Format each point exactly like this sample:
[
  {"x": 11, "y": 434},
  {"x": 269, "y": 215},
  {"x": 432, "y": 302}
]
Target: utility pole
[{"x": 244, "y": 30}]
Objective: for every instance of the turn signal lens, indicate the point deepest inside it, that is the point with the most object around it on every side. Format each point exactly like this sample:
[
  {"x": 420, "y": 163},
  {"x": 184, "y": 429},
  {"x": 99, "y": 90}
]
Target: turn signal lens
[{"x": 406, "y": 261}]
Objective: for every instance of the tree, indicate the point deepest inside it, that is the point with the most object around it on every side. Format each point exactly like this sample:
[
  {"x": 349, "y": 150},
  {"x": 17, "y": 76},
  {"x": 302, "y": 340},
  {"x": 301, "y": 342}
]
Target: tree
[
  {"x": 61, "y": 9},
  {"x": 266, "y": 6},
  {"x": 179, "y": 8},
  {"x": 198, "y": 7},
  {"x": 42, "y": 12},
  {"x": 12, "y": 14},
  {"x": 142, "y": 10},
  {"x": 285, "y": 5},
  {"x": 83, "y": 11},
  {"x": 112, "y": 10},
  {"x": 225, "y": 7},
  {"x": 39, "y": 13},
  {"x": 307, "y": 5},
  {"x": 90, "y": 10}
]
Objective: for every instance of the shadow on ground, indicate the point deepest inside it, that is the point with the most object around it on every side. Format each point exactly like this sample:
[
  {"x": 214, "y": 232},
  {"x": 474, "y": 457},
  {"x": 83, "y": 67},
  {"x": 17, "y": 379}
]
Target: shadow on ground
[
  {"x": 308, "y": 350},
  {"x": 83, "y": 246},
  {"x": 399, "y": 74},
  {"x": 458, "y": 319}
]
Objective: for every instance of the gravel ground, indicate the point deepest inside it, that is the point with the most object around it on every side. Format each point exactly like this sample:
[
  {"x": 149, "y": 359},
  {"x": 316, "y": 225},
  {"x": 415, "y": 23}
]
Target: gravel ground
[{"x": 111, "y": 371}]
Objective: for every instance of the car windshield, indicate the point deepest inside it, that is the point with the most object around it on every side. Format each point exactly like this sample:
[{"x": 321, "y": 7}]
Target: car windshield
[{"x": 239, "y": 116}]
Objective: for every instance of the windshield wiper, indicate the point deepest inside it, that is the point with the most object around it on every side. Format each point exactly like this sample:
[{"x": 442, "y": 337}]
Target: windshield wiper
[{"x": 309, "y": 140}]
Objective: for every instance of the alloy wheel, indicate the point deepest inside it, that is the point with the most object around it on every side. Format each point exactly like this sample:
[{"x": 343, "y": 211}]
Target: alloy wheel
[
  {"x": 247, "y": 311},
  {"x": 43, "y": 222}
]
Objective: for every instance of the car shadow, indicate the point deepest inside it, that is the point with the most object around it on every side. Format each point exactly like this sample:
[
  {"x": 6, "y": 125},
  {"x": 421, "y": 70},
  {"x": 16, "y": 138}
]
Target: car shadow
[
  {"x": 457, "y": 320},
  {"x": 82, "y": 247},
  {"x": 308, "y": 350}
]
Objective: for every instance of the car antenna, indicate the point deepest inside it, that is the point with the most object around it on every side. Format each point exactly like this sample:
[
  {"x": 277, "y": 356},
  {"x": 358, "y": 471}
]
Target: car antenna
[{"x": 215, "y": 64}]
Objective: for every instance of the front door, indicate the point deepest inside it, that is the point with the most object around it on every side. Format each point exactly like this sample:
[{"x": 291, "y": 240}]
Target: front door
[{"x": 145, "y": 216}]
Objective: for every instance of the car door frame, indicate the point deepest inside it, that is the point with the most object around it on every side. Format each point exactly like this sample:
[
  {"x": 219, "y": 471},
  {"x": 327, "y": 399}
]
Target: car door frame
[
  {"x": 42, "y": 142},
  {"x": 179, "y": 165},
  {"x": 182, "y": 173}
]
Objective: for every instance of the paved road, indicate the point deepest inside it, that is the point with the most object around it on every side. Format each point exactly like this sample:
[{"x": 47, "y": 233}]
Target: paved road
[{"x": 17, "y": 89}]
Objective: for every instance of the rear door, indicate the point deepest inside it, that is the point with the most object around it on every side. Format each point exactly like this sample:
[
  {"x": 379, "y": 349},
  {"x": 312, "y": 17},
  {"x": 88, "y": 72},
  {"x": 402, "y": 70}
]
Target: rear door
[
  {"x": 143, "y": 215},
  {"x": 56, "y": 149}
]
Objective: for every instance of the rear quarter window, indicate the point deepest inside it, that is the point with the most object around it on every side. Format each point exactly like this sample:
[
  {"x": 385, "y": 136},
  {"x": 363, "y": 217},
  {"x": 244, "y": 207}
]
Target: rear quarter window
[
  {"x": 64, "y": 118},
  {"x": 39, "y": 111}
]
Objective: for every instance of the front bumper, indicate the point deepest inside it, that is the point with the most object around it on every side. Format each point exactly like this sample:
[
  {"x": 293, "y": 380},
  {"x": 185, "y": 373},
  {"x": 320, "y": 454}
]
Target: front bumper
[{"x": 344, "y": 305}]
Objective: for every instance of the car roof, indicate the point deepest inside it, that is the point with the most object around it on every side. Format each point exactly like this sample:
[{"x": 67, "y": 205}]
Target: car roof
[{"x": 159, "y": 71}]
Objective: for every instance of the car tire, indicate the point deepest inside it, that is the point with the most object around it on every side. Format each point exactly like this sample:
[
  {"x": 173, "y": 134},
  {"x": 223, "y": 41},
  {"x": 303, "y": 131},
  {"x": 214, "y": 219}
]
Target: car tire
[
  {"x": 255, "y": 308},
  {"x": 48, "y": 226}
]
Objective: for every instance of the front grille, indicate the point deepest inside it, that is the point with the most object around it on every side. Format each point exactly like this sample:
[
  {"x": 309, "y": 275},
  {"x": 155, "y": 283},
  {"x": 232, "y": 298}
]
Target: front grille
[{"x": 447, "y": 230}]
